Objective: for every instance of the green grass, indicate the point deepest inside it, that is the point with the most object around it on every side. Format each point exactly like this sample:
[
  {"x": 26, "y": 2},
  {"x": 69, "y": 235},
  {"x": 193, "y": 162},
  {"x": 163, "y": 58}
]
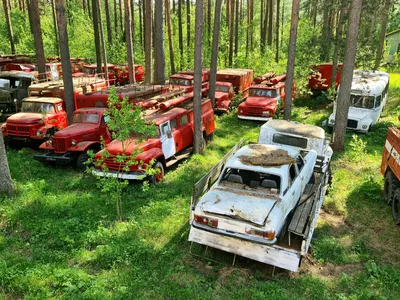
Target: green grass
[{"x": 59, "y": 237}]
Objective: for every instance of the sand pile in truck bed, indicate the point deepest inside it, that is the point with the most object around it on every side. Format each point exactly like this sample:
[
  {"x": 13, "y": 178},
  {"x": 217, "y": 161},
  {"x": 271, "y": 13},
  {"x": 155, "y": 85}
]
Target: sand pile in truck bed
[{"x": 266, "y": 157}]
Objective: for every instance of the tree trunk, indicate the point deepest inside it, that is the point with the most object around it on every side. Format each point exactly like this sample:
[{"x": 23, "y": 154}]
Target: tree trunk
[
  {"x": 325, "y": 30},
  {"x": 291, "y": 57},
  {"x": 28, "y": 6},
  {"x": 231, "y": 32},
  {"x": 121, "y": 23},
  {"x": 170, "y": 42},
  {"x": 338, "y": 38},
  {"x": 65, "y": 59},
  {"x": 180, "y": 33},
  {"x": 237, "y": 28},
  {"x": 89, "y": 10},
  {"x": 209, "y": 22},
  {"x": 384, "y": 18},
  {"x": 248, "y": 28},
  {"x": 343, "y": 99},
  {"x": 188, "y": 24},
  {"x": 103, "y": 44},
  {"x": 97, "y": 41},
  {"x": 198, "y": 62},
  {"x": 108, "y": 22},
  {"x": 173, "y": 6},
  {"x": 140, "y": 22},
  {"x": 53, "y": 7},
  {"x": 37, "y": 35},
  {"x": 214, "y": 52},
  {"x": 270, "y": 22},
  {"x": 6, "y": 185},
  {"x": 261, "y": 25},
  {"x": 282, "y": 18},
  {"x": 228, "y": 14},
  {"x": 264, "y": 24},
  {"x": 277, "y": 32},
  {"x": 147, "y": 41},
  {"x": 129, "y": 44},
  {"x": 116, "y": 18},
  {"x": 84, "y": 6},
  {"x": 159, "y": 56},
  {"x": 133, "y": 22},
  {"x": 9, "y": 26}
]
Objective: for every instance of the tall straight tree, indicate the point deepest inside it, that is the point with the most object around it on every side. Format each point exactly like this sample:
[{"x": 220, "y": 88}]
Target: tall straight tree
[
  {"x": 37, "y": 36},
  {"x": 140, "y": 22},
  {"x": 103, "y": 44},
  {"x": 53, "y": 8},
  {"x": 237, "y": 27},
  {"x": 188, "y": 24},
  {"x": 65, "y": 59},
  {"x": 180, "y": 32},
  {"x": 231, "y": 31},
  {"x": 147, "y": 41},
  {"x": 343, "y": 99},
  {"x": 338, "y": 38},
  {"x": 95, "y": 14},
  {"x": 198, "y": 62},
  {"x": 159, "y": 56},
  {"x": 129, "y": 44},
  {"x": 108, "y": 21},
  {"x": 270, "y": 21},
  {"x": 384, "y": 21},
  {"x": 6, "y": 186},
  {"x": 214, "y": 52},
  {"x": 277, "y": 32},
  {"x": 116, "y": 18},
  {"x": 209, "y": 21},
  {"x": 9, "y": 26},
  {"x": 28, "y": 6},
  {"x": 170, "y": 41},
  {"x": 121, "y": 22},
  {"x": 291, "y": 57}
]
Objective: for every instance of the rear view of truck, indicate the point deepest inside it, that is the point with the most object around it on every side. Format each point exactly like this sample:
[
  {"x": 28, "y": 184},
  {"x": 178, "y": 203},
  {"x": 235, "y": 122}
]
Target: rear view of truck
[{"x": 390, "y": 169}]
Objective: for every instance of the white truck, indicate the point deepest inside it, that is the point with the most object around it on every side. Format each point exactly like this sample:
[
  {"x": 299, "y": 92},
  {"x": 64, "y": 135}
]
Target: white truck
[{"x": 262, "y": 201}]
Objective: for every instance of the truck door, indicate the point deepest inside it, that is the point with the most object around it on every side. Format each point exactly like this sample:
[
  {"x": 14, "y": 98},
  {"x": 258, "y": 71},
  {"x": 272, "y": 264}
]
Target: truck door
[{"x": 167, "y": 140}]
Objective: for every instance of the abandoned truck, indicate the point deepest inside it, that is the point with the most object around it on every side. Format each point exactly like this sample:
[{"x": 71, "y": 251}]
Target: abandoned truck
[
  {"x": 369, "y": 92},
  {"x": 224, "y": 94},
  {"x": 38, "y": 120},
  {"x": 71, "y": 144},
  {"x": 241, "y": 79},
  {"x": 321, "y": 77},
  {"x": 391, "y": 171},
  {"x": 260, "y": 202},
  {"x": 173, "y": 143},
  {"x": 185, "y": 81}
]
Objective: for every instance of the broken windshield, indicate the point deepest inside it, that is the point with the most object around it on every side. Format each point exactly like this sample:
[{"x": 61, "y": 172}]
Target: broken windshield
[
  {"x": 361, "y": 101},
  {"x": 263, "y": 93},
  {"x": 85, "y": 118},
  {"x": 179, "y": 81},
  {"x": 222, "y": 88},
  {"x": 8, "y": 83},
  {"x": 37, "y": 107}
]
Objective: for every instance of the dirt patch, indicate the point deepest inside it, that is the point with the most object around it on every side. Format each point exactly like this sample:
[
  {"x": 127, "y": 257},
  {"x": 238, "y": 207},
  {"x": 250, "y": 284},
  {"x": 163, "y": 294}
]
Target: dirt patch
[{"x": 266, "y": 157}]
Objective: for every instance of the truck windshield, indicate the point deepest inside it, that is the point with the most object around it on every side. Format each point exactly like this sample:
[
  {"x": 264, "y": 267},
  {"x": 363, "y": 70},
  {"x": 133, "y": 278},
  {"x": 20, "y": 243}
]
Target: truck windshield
[
  {"x": 85, "y": 118},
  {"x": 263, "y": 93},
  {"x": 37, "y": 107},
  {"x": 179, "y": 81},
  {"x": 251, "y": 181},
  {"x": 8, "y": 83},
  {"x": 90, "y": 71},
  {"x": 289, "y": 140},
  {"x": 362, "y": 101},
  {"x": 222, "y": 88}
]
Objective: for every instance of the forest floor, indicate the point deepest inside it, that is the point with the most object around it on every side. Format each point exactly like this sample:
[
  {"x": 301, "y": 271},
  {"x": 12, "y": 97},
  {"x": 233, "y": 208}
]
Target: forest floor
[{"x": 59, "y": 237}]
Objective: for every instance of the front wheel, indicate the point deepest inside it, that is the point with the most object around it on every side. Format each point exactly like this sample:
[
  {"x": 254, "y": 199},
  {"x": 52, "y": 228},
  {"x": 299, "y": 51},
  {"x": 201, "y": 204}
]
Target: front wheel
[
  {"x": 396, "y": 207},
  {"x": 81, "y": 161},
  {"x": 159, "y": 175},
  {"x": 389, "y": 186}
]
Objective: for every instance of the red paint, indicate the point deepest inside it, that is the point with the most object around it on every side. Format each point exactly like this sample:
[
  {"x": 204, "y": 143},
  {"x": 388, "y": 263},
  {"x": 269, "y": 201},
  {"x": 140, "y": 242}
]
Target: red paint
[
  {"x": 321, "y": 77},
  {"x": 240, "y": 78}
]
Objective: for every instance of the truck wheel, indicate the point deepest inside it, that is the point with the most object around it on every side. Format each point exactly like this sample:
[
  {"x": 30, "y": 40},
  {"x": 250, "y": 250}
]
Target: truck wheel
[
  {"x": 80, "y": 163},
  {"x": 156, "y": 178},
  {"x": 389, "y": 187},
  {"x": 396, "y": 207}
]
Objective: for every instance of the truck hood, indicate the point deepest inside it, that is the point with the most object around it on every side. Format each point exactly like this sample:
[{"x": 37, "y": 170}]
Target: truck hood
[
  {"x": 221, "y": 95},
  {"x": 358, "y": 113},
  {"x": 115, "y": 147},
  {"x": 77, "y": 129},
  {"x": 25, "y": 118},
  {"x": 261, "y": 101},
  {"x": 247, "y": 207}
]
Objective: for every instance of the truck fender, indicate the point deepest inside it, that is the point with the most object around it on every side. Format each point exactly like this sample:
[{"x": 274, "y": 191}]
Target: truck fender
[
  {"x": 367, "y": 122},
  {"x": 153, "y": 153},
  {"x": 84, "y": 146},
  {"x": 47, "y": 145}
]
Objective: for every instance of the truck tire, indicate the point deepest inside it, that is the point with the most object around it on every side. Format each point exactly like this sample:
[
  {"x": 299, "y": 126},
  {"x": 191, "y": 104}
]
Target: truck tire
[
  {"x": 389, "y": 187},
  {"x": 156, "y": 178},
  {"x": 396, "y": 207},
  {"x": 80, "y": 162}
]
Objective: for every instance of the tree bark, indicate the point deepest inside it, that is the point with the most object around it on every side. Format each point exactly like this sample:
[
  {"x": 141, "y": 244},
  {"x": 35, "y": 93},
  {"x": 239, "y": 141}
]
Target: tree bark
[
  {"x": 262, "y": 7},
  {"x": 325, "y": 30},
  {"x": 231, "y": 32},
  {"x": 237, "y": 28},
  {"x": 65, "y": 59},
  {"x": 6, "y": 185},
  {"x": 108, "y": 22},
  {"x": 338, "y": 38},
  {"x": 277, "y": 32},
  {"x": 159, "y": 56},
  {"x": 129, "y": 44},
  {"x": 214, "y": 52},
  {"x": 270, "y": 22},
  {"x": 116, "y": 18},
  {"x": 248, "y": 28},
  {"x": 132, "y": 7},
  {"x": 180, "y": 33},
  {"x": 147, "y": 41},
  {"x": 84, "y": 6},
  {"x": 198, "y": 62},
  {"x": 170, "y": 42},
  {"x": 291, "y": 58},
  {"x": 140, "y": 22},
  {"x": 37, "y": 35},
  {"x": 28, "y": 6},
  {"x": 97, "y": 41},
  {"x": 9, "y": 26},
  {"x": 343, "y": 99},
  {"x": 103, "y": 44},
  {"x": 209, "y": 21},
  {"x": 384, "y": 18},
  {"x": 188, "y": 23},
  {"x": 121, "y": 17},
  {"x": 53, "y": 7}
]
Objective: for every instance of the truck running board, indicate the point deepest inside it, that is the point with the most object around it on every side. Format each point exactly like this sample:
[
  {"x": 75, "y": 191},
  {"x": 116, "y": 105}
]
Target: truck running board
[{"x": 182, "y": 155}]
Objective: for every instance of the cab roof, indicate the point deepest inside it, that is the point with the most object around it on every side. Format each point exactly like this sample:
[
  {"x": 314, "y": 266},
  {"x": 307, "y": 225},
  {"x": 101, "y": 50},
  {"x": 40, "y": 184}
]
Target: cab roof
[
  {"x": 93, "y": 66},
  {"x": 291, "y": 127},
  {"x": 100, "y": 110},
  {"x": 234, "y": 71},
  {"x": 43, "y": 99},
  {"x": 181, "y": 76},
  {"x": 369, "y": 82},
  {"x": 159, "y": 117},
  {"x": 225, "y": 83},
  {"x": 16, "y": 74}
]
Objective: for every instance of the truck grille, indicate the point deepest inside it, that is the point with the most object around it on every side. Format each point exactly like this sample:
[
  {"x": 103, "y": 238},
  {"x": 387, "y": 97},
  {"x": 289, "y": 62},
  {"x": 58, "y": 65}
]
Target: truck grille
[
  {"x": 352, "y": 123},
  {"x": 112, "y": 165},
  {"x": 18, "y": 130},
  {"x": 254, "y": 111},
  {"x": 60, "y": 145}
]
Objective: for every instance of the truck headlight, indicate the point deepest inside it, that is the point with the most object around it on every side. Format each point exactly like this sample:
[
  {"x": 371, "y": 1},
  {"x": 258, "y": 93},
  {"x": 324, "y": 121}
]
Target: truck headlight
[
  {"x": 265, "y": 113},
  {"x": 364, "y": 127},
  {"x": 38, "y": 133},
  {"x": 241, "y": 111},
  {"x": 331, "y": 121},
  {"x": 140, "y": 167},
  {"x": 73, "y": 142}
]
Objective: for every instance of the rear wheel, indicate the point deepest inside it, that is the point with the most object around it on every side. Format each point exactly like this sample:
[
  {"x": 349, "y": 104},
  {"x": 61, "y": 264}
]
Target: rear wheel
[
  {"x": 389, "y": 186},
  {"x": 396, "y": 206},
  {"x": 81, "y": 162},
  {"x": 159, "y": 175}
]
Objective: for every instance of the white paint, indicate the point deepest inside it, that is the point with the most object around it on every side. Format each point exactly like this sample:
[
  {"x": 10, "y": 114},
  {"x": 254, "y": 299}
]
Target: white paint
[{"x": 167, "y": 140}]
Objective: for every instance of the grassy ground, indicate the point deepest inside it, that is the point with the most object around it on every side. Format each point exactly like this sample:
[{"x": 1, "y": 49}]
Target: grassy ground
[{"x": 59, "y": 237}]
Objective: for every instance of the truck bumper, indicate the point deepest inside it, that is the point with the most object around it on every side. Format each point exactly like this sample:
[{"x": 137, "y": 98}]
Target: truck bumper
[
  {"x": 128, "y": 176},
  {"x": 254, "y": 118},
  {"x": 285, "y": 258},
  {"x": 59, "y": 159}
]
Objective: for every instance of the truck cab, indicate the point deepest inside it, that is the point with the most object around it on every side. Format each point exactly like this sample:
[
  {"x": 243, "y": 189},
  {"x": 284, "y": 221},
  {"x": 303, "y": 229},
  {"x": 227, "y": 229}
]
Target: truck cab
[
  {"x": 224, "y": 93},
  {"x": 91, "y": 70},
  {"x": 241, "y": 79},
  {"x": 39, "y": 118},
  {"x": 184, "y": 81},
  {"x": 13, "y": 88}
]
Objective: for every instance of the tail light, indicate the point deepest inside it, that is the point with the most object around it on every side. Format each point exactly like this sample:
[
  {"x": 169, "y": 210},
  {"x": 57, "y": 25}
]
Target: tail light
[
  {"x": 269, "y": 235},
  {"x": 206, "y": 221}
]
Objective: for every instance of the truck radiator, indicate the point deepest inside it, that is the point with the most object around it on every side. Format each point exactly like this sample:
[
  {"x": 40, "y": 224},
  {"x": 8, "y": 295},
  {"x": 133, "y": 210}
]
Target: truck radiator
[{"x": 352, "y": 123}]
